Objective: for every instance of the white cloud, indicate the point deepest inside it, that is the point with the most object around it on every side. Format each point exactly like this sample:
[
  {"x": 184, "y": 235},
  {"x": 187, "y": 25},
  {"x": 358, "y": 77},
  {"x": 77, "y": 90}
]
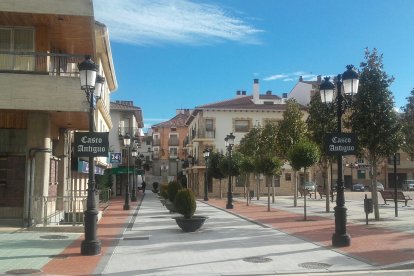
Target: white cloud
[
  {"x": 276, "y": 77},
  {"x": 154, "y": 22},
  {"x": 292, "y": 76}
]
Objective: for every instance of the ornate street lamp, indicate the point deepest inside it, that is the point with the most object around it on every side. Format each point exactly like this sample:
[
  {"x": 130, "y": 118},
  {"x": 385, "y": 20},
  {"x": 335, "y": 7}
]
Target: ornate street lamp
[
  {"x": 206, "y": 154},
  {"x": 134, "y": 154},
  {"x": 91, "y": 245},
  {"x": 127, "y": 143},
  {"x": 348, "y": 83},
  {"x": 229, "y": 143}
]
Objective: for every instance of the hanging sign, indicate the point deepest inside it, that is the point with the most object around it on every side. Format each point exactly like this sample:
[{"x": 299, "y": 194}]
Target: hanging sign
[
  {"x": 91, "y": 144},
  {"x": 341, "y": 144}
]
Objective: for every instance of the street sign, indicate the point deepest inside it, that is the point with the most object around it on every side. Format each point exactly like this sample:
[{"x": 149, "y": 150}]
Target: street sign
[
  {"x": 91, "y": 144},
  {"x": 341, "y": 144},
  {"x": 115, "y": 157}
]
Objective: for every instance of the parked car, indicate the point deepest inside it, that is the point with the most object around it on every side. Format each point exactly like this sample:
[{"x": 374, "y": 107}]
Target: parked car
[
  {"x": 358, "y": 187},
  {"x": 310, "y": 186},
  {"x": 408, "y": 185},
  {"x": 380, "y": 187}
]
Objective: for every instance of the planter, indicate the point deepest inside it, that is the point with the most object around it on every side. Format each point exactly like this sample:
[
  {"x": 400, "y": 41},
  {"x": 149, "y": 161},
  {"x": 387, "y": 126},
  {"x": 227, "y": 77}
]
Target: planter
[{"x": 190, "y": 224}]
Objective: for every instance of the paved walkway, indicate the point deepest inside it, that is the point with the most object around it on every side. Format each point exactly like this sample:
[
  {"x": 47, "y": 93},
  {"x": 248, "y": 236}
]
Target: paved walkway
[{"x": 249, "y": 240}]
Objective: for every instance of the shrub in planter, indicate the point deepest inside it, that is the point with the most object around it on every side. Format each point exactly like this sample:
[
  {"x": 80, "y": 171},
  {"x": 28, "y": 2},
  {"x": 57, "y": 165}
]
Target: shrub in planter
[
  {"x": 163, "y": 191},
  {"x": 173, "y": 188},
  {"x": 185, "y": 203}
]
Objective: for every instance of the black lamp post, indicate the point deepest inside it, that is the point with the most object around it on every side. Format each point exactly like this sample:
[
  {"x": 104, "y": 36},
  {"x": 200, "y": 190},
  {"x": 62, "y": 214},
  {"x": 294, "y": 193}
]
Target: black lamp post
[
  {"x": 229, "y": 142},
  {"x": 348, "y": 81},
  {"x": 127, "y": 143},
  {"x": 206, "y": 154},
  {"x": 134, "y": 154},
  {"x": 91, "y": 245}
]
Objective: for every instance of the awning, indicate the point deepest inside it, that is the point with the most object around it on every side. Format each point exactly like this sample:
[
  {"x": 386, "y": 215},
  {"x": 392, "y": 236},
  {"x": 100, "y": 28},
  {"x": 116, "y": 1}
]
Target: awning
[{"x": 124, "y": 170}]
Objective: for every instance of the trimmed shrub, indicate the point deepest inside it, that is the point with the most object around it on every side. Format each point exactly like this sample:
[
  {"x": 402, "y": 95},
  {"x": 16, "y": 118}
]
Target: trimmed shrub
[
  {"x": 163, "y": 191},
  {"x": 173, "y": 188},
  {"x": 185, "y": 203}
]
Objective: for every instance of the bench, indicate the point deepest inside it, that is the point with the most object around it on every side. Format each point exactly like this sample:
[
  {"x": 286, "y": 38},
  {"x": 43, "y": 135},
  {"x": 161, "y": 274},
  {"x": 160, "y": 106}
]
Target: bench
[
  {"x": 389, "y": 196},
  {"x": 304, "y": 191},
  {"x": 322, "y": 193}
]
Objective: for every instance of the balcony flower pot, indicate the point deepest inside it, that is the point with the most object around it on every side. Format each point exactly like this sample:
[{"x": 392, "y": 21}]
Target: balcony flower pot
[{"x": 185, "y": 204}]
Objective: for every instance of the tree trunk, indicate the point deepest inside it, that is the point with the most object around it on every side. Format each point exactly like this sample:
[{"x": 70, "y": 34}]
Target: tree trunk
[
  {"x": 304, "y": 197},
  {"x": 295, "y": 196},
  {"x": 221, "y": 191},
  {"x": 327, "y": 187},
  {"x": 268, "y": 193},
  {"x": 258, "y": 187},
  {"x": 374, "y": 192},
  {"x": 273, "y": 189}
]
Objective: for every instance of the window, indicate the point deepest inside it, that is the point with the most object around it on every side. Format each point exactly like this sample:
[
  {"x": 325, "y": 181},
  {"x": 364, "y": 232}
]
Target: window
[
  {"x": 173, "y": 140},
  {"x": 361, "y": 161},
  {"x": 17, "y": 40},
  {"x": 241, "y": 125},
  {"x": 209, "y": 124},
  {"x": 361, "y": 174},
  {"x": 391, "y": 159},
  {"x": 288, "y": 177},
  {"x": 173, "y": 129},
  {"x": 173, "y": 152}
]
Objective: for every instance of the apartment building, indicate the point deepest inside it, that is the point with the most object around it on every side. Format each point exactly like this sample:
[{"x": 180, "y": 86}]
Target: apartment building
[
  {"x": 129, "y": 120},
  {"x": 42, "y": 105},
  {"x": 209, "y": 124},
  {"x": 168, "y": 147}
]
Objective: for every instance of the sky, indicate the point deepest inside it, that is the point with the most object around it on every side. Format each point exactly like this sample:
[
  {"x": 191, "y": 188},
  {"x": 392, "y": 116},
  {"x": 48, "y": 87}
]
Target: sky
[{"x": 176, "y": 54}]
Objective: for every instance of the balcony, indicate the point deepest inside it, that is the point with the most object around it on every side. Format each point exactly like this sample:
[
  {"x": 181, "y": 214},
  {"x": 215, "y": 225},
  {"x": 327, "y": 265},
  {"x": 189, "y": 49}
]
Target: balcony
[
  {"x": 122, "y": 131},
  {"x": 40, "y": 63},
  {"x": 173, "y": 142},
  {"x": 203, "y": 135}
]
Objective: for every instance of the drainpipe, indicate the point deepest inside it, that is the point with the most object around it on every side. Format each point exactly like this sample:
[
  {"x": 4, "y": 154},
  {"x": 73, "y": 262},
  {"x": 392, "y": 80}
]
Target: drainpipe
[{"x": 32, "y": 155}]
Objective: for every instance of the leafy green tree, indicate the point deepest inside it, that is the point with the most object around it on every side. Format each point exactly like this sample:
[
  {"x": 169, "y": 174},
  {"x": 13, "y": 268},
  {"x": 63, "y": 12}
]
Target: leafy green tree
[
  {"x": 373, "y": 119},
  {"x": 214, "y": 169},
  {"x": 407, "y": 119},
  {"x": 291, "y": 130},
  {"x": 269, "y": 166},
  {"x": 322, "y": 119},
  {"x": 249, "y": 146},
  {"x": 246, "y": 168},
  {"x": 304, "y": 155}
]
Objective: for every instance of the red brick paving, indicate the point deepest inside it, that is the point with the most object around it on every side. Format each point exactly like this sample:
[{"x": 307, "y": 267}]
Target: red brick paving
[
  {"x": 110, "y": 226},
  {"x": 379, "y": 246}
]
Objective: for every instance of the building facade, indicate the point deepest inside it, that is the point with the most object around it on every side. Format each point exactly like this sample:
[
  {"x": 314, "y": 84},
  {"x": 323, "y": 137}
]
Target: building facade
[
  {"x": 42, "y": 105},
  {"x": 168, "y": 147},
  {"x": 128, "y": 122},
  {"x": 208, "y": 126}
]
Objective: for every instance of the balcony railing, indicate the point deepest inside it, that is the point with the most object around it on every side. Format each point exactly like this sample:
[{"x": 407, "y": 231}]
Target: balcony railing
[{"x": 40, "y": 63}]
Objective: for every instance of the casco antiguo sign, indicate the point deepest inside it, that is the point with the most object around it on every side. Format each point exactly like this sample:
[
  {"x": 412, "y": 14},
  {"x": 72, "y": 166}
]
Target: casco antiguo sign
[
  {"x": 341, "y": 144},
  {"x": 89, "y": 144}
]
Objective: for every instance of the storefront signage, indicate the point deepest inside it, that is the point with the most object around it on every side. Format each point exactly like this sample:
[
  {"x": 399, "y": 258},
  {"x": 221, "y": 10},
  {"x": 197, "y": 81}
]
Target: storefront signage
[
  {"x": 341, "y": 144},
  {"x": 115, "y": 157},
  {"x": 83, "y": 167},
  {"x": 91, "y": 144}
]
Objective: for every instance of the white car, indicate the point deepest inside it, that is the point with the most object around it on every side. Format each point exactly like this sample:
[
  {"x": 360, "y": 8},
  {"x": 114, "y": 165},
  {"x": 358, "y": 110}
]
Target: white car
[{"x": 408, "y": 185}]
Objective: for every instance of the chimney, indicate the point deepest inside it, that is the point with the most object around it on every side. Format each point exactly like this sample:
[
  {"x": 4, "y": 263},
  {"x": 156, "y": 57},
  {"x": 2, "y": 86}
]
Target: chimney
[
  {"x": 244, "y": 92},
  {"x": 319, "y": 78},
  {"x": 284, "y": 95},
  {"x": 300, "y": 78},
  {"x": 238, "y": 93},
  {"x": 256, "y": 91},
  {"x": 269, "y": 92}
]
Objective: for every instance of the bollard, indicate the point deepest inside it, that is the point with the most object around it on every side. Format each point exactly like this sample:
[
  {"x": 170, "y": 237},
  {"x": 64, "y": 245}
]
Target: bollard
[{"x": 367, "y": 207}]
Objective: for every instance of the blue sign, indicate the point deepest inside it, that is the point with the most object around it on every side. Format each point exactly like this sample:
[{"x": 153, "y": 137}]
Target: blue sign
[
  {"x": 83, "y": 167},
  {"x": 115, "y": 157}
]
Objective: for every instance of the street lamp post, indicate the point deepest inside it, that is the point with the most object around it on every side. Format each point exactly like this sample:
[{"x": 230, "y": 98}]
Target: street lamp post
[
  {"x": 352, "y": 166},
  {"x": 206, "y": 154},
  {"x": 90, "y": 245},
  {"x": 229, "y": 142},
  {"x": 127, "y": 143},
  {"x": 348, "y": 81},
  {"x": 134, "y": 154}
]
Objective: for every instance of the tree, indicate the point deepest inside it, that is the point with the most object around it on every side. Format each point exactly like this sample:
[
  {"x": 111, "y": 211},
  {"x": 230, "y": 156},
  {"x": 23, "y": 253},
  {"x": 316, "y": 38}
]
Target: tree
[
  {"x": 322, "y": 119},
  {"x": 249, "y": 146},
  {"x": 373, "y": 119},
  {"x": 214, "y": 169},
  {"x": 303, "y": 155},
  {"x": 291, "y": 130},
  {"x": 407, "y": 120},
  {"x": 246, "y": 168},
  {"x": 269, "y": 166}
]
